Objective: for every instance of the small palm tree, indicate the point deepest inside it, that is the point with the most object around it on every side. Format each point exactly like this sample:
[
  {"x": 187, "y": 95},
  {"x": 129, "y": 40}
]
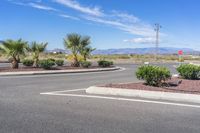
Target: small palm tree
[
  {"x": 72, "y": 42},
  {"x": 36, "y": 49},
  {"x": 85, "y": 42},
  {"x": 85, "y": 50},
  {"x": 14, "y": 49}
]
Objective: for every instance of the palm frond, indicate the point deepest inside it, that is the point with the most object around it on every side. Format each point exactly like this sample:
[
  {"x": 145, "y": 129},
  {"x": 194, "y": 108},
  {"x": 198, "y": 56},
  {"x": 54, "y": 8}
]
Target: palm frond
[
  {"x": 14, "y": 48},
  {"x": 37, "y": 47},
  {"x": 72, "y": 42}
]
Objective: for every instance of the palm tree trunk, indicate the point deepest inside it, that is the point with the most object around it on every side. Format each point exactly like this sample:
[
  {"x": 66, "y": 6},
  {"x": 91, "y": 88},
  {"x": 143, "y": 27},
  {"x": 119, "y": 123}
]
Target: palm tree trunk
[
  {"x": 15, "y": 64},
  {"x": 36, "y": 63},
  {"x": 75, "y": 62},
  {"x": 84, "y": 58},
  {"x": 36, "y": 59}
]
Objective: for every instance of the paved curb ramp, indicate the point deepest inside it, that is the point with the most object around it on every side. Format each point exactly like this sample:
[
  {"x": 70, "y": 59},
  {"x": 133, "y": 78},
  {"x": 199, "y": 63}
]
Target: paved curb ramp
[
  {"x": 155, "y": 95},
  {"x": 57, "y": 71}
]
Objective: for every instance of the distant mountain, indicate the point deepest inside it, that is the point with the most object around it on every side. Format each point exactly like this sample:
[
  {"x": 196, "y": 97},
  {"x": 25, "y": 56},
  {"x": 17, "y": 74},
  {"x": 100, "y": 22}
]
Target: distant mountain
[{"x": 150, "y": 50}]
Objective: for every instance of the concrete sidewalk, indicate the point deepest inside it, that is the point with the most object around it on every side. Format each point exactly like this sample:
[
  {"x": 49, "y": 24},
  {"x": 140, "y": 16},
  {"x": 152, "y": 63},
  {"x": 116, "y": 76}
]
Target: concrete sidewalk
[
  {"x": 58, "y": 71},
  {"x": 156, "y": 95}
]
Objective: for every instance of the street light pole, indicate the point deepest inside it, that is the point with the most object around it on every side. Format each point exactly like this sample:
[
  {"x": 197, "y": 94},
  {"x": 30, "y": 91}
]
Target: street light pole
[{"x": 157, "y": 29}]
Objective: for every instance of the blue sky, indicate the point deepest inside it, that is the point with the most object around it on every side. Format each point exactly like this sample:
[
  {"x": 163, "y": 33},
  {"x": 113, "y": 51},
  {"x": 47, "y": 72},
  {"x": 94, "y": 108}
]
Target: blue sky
[{"x": 110, "y": 23}]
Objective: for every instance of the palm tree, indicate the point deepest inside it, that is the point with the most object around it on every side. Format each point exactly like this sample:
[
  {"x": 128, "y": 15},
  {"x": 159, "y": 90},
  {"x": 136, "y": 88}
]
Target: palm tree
[
  {"x": 72, "y": 42},
  {"x": 14, "y": 49},
  {"x": 85, "y": 41},
  {"x": 37, "y": 48},
  {"x": 85, "y": 50}
]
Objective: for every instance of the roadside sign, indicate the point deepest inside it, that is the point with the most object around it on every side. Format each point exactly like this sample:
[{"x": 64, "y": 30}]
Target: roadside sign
[{"x": 180, "y": 52}]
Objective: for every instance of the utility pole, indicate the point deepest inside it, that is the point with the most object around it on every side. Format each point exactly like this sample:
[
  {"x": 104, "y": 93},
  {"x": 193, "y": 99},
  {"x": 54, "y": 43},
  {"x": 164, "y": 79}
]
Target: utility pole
[{"x": 157, "y": 29}]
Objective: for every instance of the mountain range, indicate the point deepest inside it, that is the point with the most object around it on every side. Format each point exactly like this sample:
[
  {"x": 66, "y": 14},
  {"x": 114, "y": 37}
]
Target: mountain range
[{"x": 150, "y": 50}]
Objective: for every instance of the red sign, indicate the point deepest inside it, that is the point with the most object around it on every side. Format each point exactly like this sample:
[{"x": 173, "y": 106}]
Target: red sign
[{"x": 180, "y": 52}]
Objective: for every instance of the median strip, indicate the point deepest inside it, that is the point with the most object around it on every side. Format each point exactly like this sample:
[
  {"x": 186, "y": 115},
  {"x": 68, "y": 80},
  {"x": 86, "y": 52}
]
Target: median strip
[
  {"x": 156, "y": 95},
  {"x": 58, "y": 71},
  {"x": 68, "y": 93}
]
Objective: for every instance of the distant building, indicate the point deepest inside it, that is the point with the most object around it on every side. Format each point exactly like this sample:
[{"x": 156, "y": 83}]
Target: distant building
[{"x": 58, "y": 51}]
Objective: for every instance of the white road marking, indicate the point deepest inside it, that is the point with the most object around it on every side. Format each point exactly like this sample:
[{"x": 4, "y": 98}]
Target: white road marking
[
  {"x": 58, "y": 93},
  {"x": 61, "y": 74}
]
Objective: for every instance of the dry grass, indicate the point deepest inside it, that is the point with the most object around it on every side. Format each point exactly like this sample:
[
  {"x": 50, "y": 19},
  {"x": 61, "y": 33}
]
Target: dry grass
[
  {"x": 146, "y": 58},
  {"x": 124, "y": 58}
]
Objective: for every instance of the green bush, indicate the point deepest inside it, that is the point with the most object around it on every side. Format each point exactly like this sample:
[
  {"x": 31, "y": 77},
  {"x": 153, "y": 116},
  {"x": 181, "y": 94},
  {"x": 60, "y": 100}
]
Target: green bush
[
  {"x": 51, "y": 59},
  {"x": 28, "y": 62},
  {"x": 59, "y": 62},
  {"x": 46, "y": 64},
  {"x": 104, "y": 63},
  {"x": 189, "y": 71},
  {"x": 86, "y": 64},
  {"x": 153, "y": 75}
]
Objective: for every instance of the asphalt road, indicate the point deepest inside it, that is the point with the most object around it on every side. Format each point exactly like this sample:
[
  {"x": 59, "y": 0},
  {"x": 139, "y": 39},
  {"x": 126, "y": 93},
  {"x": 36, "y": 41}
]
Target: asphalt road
[{"x": 24, "y": 110}]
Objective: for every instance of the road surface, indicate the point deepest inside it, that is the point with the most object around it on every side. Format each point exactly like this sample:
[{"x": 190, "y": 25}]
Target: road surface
[{"x": 24, "y": 110}]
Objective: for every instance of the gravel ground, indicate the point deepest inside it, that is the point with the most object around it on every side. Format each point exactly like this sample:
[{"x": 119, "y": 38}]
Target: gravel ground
[{"x": 186, "y": 86}]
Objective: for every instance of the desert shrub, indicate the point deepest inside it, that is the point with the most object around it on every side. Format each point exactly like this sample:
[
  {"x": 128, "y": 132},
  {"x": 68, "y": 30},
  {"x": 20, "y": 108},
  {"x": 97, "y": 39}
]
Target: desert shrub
[
  {"x": 124, "y": 56},
  {"x": 59, "y": 62},
  {"x": 189, "y": 71},
  {"x": 86, "y": 64},
  {"x": 28, "y": 62},
  {"x": 46, "y": 64},
  {"x": 153, "y": 75},
  {"x": 104, "y": 63},
  {"x": 51, "y": 59},
  {"x": 71, "y": 58},
  {"x": 181, "y": 60},
  {"x": 61, "y": 56}
]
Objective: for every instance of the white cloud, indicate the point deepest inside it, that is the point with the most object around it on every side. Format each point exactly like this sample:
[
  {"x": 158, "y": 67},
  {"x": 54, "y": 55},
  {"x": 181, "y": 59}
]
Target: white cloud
[
  {"x": 84, "y": 9},
  {"x": 39, "y": 6},
  {"x": 42, "y": 7},
  {"x": 100, "y": 20},
  {"x": 145, "y": 40},
  {"x": 120, "y": 20},
  {"x": 68, "y": 16},
  {"x": 124, "y": 17},
  {"x": 135, "y": 28}
]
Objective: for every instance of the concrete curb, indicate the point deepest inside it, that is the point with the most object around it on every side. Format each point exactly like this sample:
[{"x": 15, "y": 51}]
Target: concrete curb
[
  {"x": 178, "y": 97},
  {"x": 58, "y": 71}
]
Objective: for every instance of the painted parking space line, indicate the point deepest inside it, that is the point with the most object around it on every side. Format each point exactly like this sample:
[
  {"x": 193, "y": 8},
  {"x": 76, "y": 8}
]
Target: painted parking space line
[{"x": 60, "y": 93}]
